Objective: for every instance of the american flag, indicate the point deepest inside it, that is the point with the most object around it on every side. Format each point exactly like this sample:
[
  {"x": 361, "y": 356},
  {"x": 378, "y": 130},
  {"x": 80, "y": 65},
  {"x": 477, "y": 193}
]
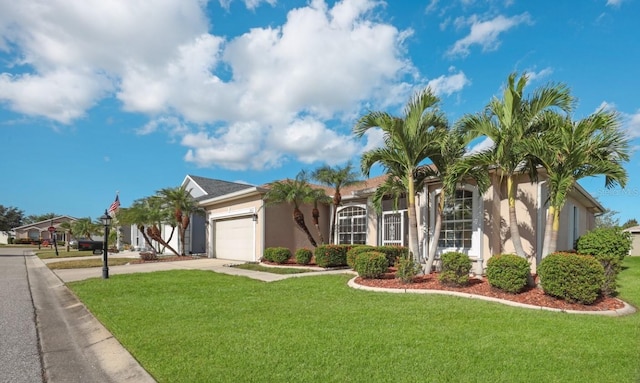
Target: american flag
[{"x": 115, "y": 205}]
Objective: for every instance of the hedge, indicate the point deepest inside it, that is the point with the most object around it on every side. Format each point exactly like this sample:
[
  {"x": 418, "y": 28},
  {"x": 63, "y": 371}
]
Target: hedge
[
  {"x": 572, "y": 277},
  {"x": 508, "y": 272}
]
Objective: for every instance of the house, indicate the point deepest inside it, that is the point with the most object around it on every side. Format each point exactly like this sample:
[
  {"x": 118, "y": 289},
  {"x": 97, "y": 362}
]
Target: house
[
  {"x": 635, "y": 239},
  {"x": 39, "y": 231},
  {"x": 238, "y": 225}
]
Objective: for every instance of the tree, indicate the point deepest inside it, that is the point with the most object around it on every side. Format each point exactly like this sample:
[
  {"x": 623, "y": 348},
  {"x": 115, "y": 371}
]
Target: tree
[
  {"x": 607, "y": 219},
  {"x": 293, "y": 192},
  {"x": 407, "y": 143},
  {"x": 66, "y": 226},
  {"x": 148, "y": 213},
  {"x": 39, "y": 218},
  {"x": 85, "y": 228},
  {"x": 317, "y": 196},
  {"x": 509, "y": 123},
  {"x": 10, "y": 217},
  {"x": 572, "y": 150},
  {"x": 183, "y": 204},
  {"x": 336, "y": 178},
  {"x": 630, "y": 223}
]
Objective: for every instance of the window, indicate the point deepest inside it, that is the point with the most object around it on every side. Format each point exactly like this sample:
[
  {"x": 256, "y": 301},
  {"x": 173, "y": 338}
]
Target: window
[
  {"x": 352, "y": 226},
  {"x": 457, "y": 221},
  {"x": 394, "y": 228}
]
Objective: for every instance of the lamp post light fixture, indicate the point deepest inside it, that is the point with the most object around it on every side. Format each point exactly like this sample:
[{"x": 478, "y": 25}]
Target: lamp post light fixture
[{"x": 106, "y": 221}]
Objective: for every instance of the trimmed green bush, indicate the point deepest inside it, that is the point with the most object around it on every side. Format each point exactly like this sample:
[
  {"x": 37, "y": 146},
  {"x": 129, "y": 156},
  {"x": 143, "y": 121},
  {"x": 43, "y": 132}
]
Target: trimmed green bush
[
  {"x": 303, "y": 256},
  {"x": 277, "y": 254},
  {"x": 609, "y": 246},
  {"x": 508, "y": 272},
  {"x": 353, "y": 253},
  {"x": 407, "y": 269},
  {"x": 393, "y": 253},
  {"x": 455, "y": 269},
  {"x": 606, "y": 241},
  {"x": 371, "y": 264},
  {"x": 332, "y": 255},
  {"x": 572, "y": 277}
]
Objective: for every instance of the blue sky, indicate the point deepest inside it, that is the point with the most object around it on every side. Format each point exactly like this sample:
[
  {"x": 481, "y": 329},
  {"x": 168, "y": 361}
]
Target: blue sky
[{"x": 105, "y": 96}]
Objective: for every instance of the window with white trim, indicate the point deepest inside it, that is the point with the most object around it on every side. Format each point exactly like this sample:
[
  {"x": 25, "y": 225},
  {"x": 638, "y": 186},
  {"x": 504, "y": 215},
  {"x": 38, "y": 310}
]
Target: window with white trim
[
  {"x": 352, "y": 226},
  {"x": 457, "y": 221}
]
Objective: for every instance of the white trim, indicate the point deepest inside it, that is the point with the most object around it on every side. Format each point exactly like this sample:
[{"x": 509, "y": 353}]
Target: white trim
[
  {"x": 366, "y": 222},
  {"x": 232, "y": 196},
  {"x": 402, "y": 226},
  {"x": 231, "y": 214}
]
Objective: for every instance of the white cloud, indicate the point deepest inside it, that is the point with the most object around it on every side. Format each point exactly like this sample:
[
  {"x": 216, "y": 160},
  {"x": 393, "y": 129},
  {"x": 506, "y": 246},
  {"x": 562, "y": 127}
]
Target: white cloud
[
  {"x": 533, "y": 75},
  {"x": 250, "y": 4},
  {"x": 447, "y": 85},
  {"x": 255, "y": 101},
  {"x": 485, "y": 33},
  {"x": 632, "y": 124},
  {"x": 614, "y": 3}
]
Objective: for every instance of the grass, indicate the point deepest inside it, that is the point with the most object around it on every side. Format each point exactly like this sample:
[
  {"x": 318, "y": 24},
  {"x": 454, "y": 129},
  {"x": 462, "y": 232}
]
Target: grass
[
  {"x": 84, "y": 263},
  {"x": 273, "y": 270},
  {"x": 62, "y": 253},
  {"x": 199, "y": 326}
]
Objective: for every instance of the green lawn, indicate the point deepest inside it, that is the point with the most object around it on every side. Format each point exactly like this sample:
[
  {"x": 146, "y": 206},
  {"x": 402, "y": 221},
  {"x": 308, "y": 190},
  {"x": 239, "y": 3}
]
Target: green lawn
[
  {"x": 198, "y": 326},
  {"x": 273, "y": 270},
  {"x": 84, "y": 263},
  {"x": 62, "y": 253}
]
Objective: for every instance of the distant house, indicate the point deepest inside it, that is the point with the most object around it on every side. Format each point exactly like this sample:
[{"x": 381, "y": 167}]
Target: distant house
[
  {"x": 635, "y": 240},
  {"x": 39, "y": 231},
  {"x": 238, "y": 225}
]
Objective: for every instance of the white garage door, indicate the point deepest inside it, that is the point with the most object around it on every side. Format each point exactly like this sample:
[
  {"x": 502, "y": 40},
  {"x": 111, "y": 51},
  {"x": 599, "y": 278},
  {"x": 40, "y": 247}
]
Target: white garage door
[{"x": 233, "y": 239}]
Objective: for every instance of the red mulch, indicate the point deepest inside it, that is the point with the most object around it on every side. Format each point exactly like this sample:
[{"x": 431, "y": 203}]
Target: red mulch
[{"x": 532, "y": 296}]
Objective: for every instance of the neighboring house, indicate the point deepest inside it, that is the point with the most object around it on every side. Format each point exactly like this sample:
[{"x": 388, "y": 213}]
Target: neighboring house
[
  {"x": 635, "y": 240},
  {"x": 39, "y": 231},
  {"x": 238, "y": 225}
]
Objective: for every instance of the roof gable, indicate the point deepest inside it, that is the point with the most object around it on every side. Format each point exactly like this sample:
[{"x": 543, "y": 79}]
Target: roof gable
[{"x": 215, "y": 188}]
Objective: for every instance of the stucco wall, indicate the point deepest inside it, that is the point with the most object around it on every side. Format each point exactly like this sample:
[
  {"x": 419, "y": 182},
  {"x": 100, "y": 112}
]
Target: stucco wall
[
  {"x": 281, "y": 230},
  {"x": 635, "y": 244}
]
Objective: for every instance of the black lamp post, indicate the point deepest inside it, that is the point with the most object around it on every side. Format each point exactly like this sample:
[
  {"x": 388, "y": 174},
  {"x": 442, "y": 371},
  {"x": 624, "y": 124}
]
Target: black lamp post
[{"x": 106, "y": 221}]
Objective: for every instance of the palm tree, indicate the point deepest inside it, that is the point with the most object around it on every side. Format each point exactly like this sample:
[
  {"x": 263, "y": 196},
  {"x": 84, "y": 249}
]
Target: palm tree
[
  {"x": 293, "y": 192},
  {"x": 509, "y": 123},
  {"x": 84, "y": 227},
  {"x": 317, "y": 196},
  {"x": 449, "y": 165},
  {"x": 571, "y": 150},
  {"x": 336, "y": 178},
  {"x": 183, "y": 205},
  {"x": 408, "y": 140}
]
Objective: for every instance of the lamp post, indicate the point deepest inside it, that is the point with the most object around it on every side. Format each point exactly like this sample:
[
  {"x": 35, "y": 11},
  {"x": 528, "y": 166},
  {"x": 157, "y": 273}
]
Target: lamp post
[{"x": 106, "y": 221}]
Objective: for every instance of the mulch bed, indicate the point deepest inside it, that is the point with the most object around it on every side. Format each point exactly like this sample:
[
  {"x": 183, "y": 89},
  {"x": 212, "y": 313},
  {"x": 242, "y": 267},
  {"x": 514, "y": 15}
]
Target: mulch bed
[
  {"x": 532, "y": 296},
  {"x": 164, "y": 259}
]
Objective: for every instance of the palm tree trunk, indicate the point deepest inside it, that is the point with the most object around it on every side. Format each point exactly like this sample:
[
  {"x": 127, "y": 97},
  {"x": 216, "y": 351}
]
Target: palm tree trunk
[
  {"x": 554, "y": 232},
  {"x": 413, "y": 221},
  {"x": 433, "y": 246},
  {"x": 513, "y": 220},
  {"x": 298, "y": 217},
  {"x": 154, "y": 233},
  {"x": 548, "y": 228},
  {"x": 184, "y": 224},
  {"x": 145, "y": 236},
  {"x": 334, "y": 218},
  {"x": 316, "y": 222}
]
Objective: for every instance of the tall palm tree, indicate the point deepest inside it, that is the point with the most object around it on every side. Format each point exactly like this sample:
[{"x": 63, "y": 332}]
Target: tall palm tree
[
  {"x": 336, "y": 178},
  {"x": 183, "y": 204},
  {"x": 509, "y": 123},
  {"x": 407, "y": 143},
  {"x": 318, "y": 196},
  {"x": 293, "y": 192},
  {"x": 449, "y": 165},
  {"x": 572, "y": 150}
]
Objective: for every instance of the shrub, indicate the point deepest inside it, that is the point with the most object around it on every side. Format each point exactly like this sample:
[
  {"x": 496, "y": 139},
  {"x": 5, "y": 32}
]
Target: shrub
[
  {"x": 508, "y": 272},
  {"x": 332, "y": 255},
  {"x": 455, "y": 269},
  {"x": 277, "y": 254},
  {"x": 605, "y": 242},
  {"x": 407, "y": 269},
  {"x": 371, "y": 264},
  {"x": 572, "y": 277},
  {"x": 148, "y": 256},
  {"x": 609, "y": 246},
  {"x": 303, "y": 256},
  {"x": 393, "y": 252},
  {"x": 353, "y": 253}
]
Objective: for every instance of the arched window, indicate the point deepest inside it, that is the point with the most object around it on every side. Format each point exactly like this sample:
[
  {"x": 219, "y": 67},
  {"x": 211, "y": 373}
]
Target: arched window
[{"x": 352, "y": 225}]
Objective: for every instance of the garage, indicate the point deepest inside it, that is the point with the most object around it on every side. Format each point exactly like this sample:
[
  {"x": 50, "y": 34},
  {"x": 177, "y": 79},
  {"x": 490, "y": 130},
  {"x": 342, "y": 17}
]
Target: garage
[{"x": 234, "y": 238}]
